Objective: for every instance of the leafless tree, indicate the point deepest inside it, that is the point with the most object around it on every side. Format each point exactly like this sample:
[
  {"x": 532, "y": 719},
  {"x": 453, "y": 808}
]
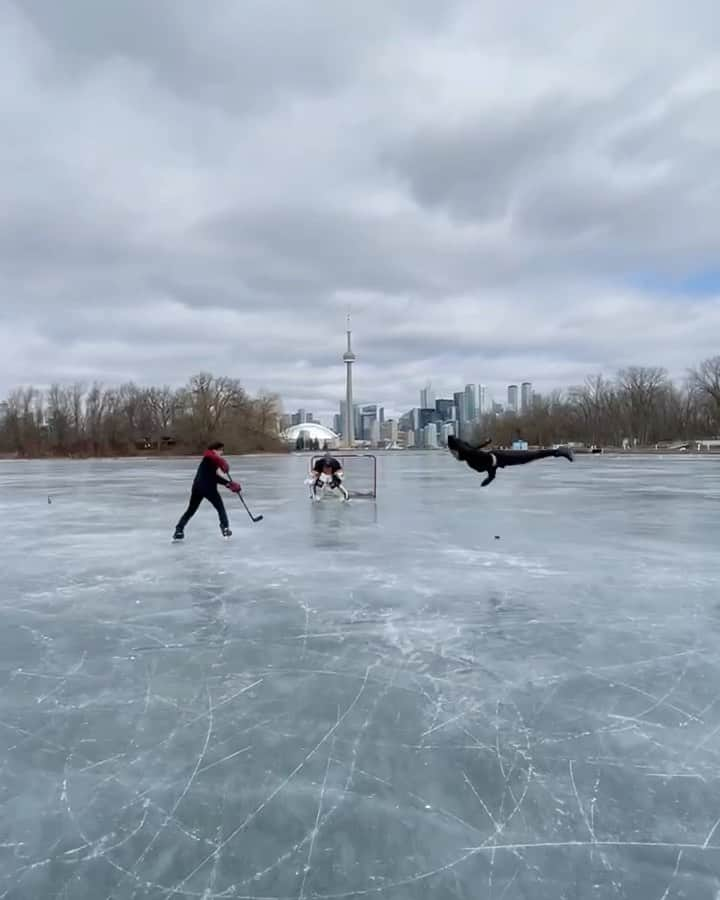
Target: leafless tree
[{"x": 704, "y": 382}]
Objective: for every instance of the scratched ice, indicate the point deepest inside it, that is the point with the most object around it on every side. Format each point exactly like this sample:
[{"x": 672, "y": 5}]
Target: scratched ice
[{"x": 379, "y": 700}]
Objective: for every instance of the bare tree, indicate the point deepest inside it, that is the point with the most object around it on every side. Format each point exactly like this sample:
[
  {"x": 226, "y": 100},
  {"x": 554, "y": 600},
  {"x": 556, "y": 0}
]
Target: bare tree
[
  {"x": 77, "y": 407},
  {"x": 705, "y": 383},
  {"x": 640, "y": 390},
  {"x": 59, "y": 414},
  {"x": 95, "y": 407}
]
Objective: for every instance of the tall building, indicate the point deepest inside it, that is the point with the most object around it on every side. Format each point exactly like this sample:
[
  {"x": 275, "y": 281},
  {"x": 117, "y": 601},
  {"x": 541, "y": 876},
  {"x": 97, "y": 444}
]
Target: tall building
[
  {"x": 375, "y": 432},
  {"x": 459, "y": 402},
  {"x": 446, "y": 429},
  {"x": 427, "y": 397},
  {"x": 471, "y": 410},
  {"x": 300, "y": 417},
  {"x": 349, "y": 358},
  {"x": 460, "y": 413},
  {"x": 512, "y": 398},
  {"x": 337, "y": 423},
  {"x": 406, "y": 421},
  {"x": 422, "y": 417},
  {"x": 410, "y": 439},
  {"x": 430, "y": 436},
  {"x": 389, "y": 431},
  {"x": 445, "y": 410},
  {"x": 365, "y": 415},
  {"x": 526, "y": 396},
  {"x": 483, "y": 400}
]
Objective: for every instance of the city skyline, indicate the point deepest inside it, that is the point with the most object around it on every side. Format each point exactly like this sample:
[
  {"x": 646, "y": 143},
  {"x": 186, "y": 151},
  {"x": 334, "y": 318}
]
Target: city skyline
[
  {"x": 464, "y": 406},
  {"x": 483, "y": 402},
  {"x": 427, "y": 425}
]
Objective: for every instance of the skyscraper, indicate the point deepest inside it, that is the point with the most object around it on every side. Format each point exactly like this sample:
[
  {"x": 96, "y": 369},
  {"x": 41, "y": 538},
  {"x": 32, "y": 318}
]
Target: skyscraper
[
  {"x": 512, "y": 397},
  {"x": 483, "y": 407},
  {"x": 389, "y": 431},
  {"x": 430, "y": 436},
  {"x": 349, "y": 359},
  {"x": 427, "y": 397},
  {"x": 526, "y": 395},
  {"x": 366, "y": 414},
  {"x": 471, "y": 410},
  {"x": 446, "y": 429},
  {"x": 444, "y": 409},
  {"x": 459, "y": 401}
]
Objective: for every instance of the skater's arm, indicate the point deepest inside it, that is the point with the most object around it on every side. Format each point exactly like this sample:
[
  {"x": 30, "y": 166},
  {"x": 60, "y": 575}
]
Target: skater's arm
[
  {"x": 228, "y": 482},
  {"x": 484, "y": 444},
  {"x": 489, "y": 477},
  {"x": 481, "y": 461}
]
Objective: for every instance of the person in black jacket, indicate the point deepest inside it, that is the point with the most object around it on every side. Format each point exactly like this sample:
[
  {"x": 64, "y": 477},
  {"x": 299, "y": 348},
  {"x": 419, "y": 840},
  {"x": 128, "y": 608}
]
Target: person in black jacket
[
  {"x": 489, "y": 462},
  {"x": 212, "y": 471}
]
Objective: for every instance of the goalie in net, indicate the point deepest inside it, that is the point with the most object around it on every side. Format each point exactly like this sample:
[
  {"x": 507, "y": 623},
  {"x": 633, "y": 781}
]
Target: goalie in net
[{"x": 347, "y": 475}]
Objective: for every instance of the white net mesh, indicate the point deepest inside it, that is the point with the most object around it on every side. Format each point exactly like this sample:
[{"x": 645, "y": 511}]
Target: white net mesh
[{"x": 360, "y": 473}]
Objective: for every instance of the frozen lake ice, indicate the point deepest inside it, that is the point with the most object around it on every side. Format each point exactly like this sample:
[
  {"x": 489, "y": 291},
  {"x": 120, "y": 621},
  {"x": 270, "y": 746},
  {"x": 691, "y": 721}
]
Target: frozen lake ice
[{"x": 373, "y": 700}]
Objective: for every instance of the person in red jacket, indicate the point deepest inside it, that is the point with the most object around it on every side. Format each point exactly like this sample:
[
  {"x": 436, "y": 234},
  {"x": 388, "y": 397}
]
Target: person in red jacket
[{"x": 212, "y": 471}]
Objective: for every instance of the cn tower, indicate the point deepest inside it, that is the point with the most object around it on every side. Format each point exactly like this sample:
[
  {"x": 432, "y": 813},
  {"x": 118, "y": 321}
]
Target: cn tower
[{"x": 349, "y": 423}]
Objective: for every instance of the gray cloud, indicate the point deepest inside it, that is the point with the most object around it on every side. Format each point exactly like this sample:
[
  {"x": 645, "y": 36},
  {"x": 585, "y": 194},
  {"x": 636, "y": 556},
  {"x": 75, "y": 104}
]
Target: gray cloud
[{"x": 190, "y": 187}]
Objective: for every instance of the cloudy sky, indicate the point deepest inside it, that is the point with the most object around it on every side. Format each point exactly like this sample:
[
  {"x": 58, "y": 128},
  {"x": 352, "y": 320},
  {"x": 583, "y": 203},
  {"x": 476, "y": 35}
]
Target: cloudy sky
[{"x": 499, "y": 192}]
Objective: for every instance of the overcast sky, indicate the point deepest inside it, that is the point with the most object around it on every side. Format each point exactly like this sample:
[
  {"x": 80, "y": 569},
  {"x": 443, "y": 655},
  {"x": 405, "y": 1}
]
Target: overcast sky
[{"x": 498, "y": 191}]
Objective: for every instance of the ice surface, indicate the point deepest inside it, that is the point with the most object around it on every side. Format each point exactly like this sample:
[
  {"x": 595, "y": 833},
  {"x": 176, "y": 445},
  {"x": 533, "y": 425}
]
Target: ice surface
[{"x": 373, "y": 700}]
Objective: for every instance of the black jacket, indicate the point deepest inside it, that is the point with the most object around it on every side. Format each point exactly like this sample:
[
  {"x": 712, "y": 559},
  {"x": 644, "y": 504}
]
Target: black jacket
[{"x": 207, "y": 478}]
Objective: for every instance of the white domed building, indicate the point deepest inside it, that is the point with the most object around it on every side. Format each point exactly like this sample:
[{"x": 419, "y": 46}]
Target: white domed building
[{"x": 311, "y": 432}]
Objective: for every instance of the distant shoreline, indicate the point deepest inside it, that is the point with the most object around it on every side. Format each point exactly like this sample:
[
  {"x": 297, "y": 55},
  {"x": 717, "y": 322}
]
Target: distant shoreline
[{"x": 581, "y": 452}]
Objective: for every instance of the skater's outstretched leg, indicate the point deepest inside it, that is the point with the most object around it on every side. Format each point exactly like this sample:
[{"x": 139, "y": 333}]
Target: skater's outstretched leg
[{"x": 520, "y": 457}]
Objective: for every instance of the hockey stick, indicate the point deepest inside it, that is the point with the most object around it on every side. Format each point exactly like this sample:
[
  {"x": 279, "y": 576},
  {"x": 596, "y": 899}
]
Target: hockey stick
[{"x": 254, "y": 518}]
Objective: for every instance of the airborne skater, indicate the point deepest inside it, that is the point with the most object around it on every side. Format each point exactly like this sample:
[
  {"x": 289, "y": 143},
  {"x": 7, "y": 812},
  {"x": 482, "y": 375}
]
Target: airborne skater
[
  {"x": 212, "y": 471},
  {"x": 490, "y": 461},
  {"x": 327, "y": 470}
]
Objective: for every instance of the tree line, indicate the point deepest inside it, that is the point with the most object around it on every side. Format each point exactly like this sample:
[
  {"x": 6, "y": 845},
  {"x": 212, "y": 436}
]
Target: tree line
[
  {"x": 67, "y": 420},
  {"x": 640, "y": 404}
]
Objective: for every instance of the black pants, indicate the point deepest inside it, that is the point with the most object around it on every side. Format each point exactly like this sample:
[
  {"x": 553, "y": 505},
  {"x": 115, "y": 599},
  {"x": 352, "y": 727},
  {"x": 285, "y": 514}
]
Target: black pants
[
  {"x": 196, "y": 498},
  {"x": 520, "y": 457}
]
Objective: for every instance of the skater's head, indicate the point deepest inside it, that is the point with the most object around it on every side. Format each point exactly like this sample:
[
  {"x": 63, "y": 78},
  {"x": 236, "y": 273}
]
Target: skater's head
[{"x": 217, "y": 447}]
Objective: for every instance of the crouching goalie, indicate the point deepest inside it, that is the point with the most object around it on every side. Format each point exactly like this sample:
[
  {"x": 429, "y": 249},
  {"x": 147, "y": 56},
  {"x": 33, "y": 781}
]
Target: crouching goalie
[{"x": 327, "y": 472}]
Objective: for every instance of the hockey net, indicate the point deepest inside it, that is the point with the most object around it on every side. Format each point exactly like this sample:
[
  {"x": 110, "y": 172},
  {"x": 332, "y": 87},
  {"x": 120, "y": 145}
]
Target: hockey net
[{"x": 360, "y": 473}]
